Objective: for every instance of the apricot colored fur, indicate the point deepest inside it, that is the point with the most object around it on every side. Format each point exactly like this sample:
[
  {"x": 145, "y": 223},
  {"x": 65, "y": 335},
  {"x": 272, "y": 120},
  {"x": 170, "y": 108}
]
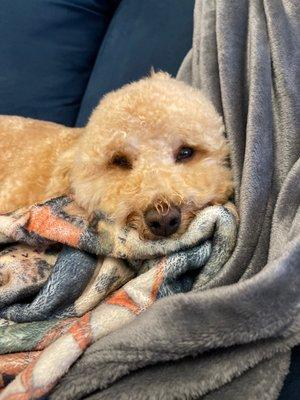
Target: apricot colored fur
[{"x": 147, "y": 122}]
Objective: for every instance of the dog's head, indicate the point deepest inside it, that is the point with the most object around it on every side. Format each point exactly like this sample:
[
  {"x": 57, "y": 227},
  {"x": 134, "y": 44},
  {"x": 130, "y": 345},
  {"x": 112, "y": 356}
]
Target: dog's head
[{"x": 152, "y": 155}]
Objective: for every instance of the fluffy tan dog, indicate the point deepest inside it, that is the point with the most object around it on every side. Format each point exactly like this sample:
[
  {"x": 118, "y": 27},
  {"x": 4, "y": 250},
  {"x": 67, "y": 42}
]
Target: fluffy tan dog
[{"x": 152, "y": 154}]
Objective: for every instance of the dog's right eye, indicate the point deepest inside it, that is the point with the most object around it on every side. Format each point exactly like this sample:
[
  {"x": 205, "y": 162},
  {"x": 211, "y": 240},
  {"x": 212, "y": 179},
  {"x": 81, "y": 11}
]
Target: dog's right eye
[{"x": 121, "y": 161}]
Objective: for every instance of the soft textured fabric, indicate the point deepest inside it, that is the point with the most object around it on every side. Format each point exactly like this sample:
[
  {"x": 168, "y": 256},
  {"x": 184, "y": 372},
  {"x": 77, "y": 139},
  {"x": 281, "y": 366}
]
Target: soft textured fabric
[
  {"x": 230, "y": 338},
  {"x": 143, "y": 34},
  {"x": 48, "y": 49},
  {"x": 67, "y": 281}
]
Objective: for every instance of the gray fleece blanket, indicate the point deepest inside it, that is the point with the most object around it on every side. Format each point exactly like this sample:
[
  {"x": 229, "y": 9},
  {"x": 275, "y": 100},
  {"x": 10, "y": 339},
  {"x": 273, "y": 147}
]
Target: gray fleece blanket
[{"x": 231, "y": 338}]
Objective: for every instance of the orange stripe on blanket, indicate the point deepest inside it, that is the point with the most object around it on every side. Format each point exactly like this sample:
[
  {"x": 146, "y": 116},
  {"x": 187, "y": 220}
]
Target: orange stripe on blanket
[
  {"x": 17, "y": 396},
  {"x": 159, "y": 276},
  {"x": 121, "y": 298},
  {"x": 13, "y": 364},
  {"x": 43, "y": 222},
  {"x": 81, "y": 331},
  {"x": 29, "y": 392},
  {"x": 26, "y": 391}
]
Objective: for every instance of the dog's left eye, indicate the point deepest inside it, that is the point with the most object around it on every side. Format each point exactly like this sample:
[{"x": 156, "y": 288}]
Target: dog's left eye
[{"x": 184, "y": 153}]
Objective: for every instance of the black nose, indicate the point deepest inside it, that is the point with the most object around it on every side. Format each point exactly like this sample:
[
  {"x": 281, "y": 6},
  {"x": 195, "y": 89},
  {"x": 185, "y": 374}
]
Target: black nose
[{"x": 165, "y": 223}]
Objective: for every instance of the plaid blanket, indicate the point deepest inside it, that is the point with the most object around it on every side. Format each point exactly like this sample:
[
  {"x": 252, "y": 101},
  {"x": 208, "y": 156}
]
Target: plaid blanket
[{"x": 66, "y": 281}]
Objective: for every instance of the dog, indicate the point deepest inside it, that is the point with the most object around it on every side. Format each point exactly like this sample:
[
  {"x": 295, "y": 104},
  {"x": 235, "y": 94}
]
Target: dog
[{"x": 151, "y": 156}]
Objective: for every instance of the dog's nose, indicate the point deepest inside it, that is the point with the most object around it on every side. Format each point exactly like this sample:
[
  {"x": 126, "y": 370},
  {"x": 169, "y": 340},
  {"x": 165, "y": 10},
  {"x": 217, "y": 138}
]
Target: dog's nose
[{"x": 163, "y": 224}]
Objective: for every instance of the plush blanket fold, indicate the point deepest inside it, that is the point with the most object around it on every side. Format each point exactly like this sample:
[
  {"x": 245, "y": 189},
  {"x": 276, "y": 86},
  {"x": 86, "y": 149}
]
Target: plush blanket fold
[
  {"x": 67, "y": 281},
  {"x": 231, "y": 340}
]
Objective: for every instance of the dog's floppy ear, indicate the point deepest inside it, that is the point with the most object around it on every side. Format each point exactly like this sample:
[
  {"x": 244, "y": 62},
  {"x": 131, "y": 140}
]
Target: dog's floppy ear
[{"x": 60, "y": 180}]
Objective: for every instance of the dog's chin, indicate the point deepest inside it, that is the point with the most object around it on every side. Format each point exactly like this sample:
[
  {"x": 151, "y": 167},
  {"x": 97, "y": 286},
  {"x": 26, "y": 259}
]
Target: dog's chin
[{"x": 136, "y": 221}]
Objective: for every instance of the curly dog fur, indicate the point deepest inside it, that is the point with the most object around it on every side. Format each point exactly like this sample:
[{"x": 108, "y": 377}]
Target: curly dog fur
[{"x": 153, "y": 144}]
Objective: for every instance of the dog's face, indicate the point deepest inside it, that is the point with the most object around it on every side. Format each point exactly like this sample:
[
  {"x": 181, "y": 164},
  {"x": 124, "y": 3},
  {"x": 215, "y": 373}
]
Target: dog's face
[{"x": 152, "y": 155}]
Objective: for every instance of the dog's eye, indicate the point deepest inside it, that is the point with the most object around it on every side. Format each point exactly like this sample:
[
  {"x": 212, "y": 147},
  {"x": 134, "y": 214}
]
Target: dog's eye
[
  {"x": 121, "y": 161},
  {"x": 184, "y": 153}
]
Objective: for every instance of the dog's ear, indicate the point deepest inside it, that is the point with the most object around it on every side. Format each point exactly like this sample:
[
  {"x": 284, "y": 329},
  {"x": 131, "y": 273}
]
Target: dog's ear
[{"x": 60, "y": 180}]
